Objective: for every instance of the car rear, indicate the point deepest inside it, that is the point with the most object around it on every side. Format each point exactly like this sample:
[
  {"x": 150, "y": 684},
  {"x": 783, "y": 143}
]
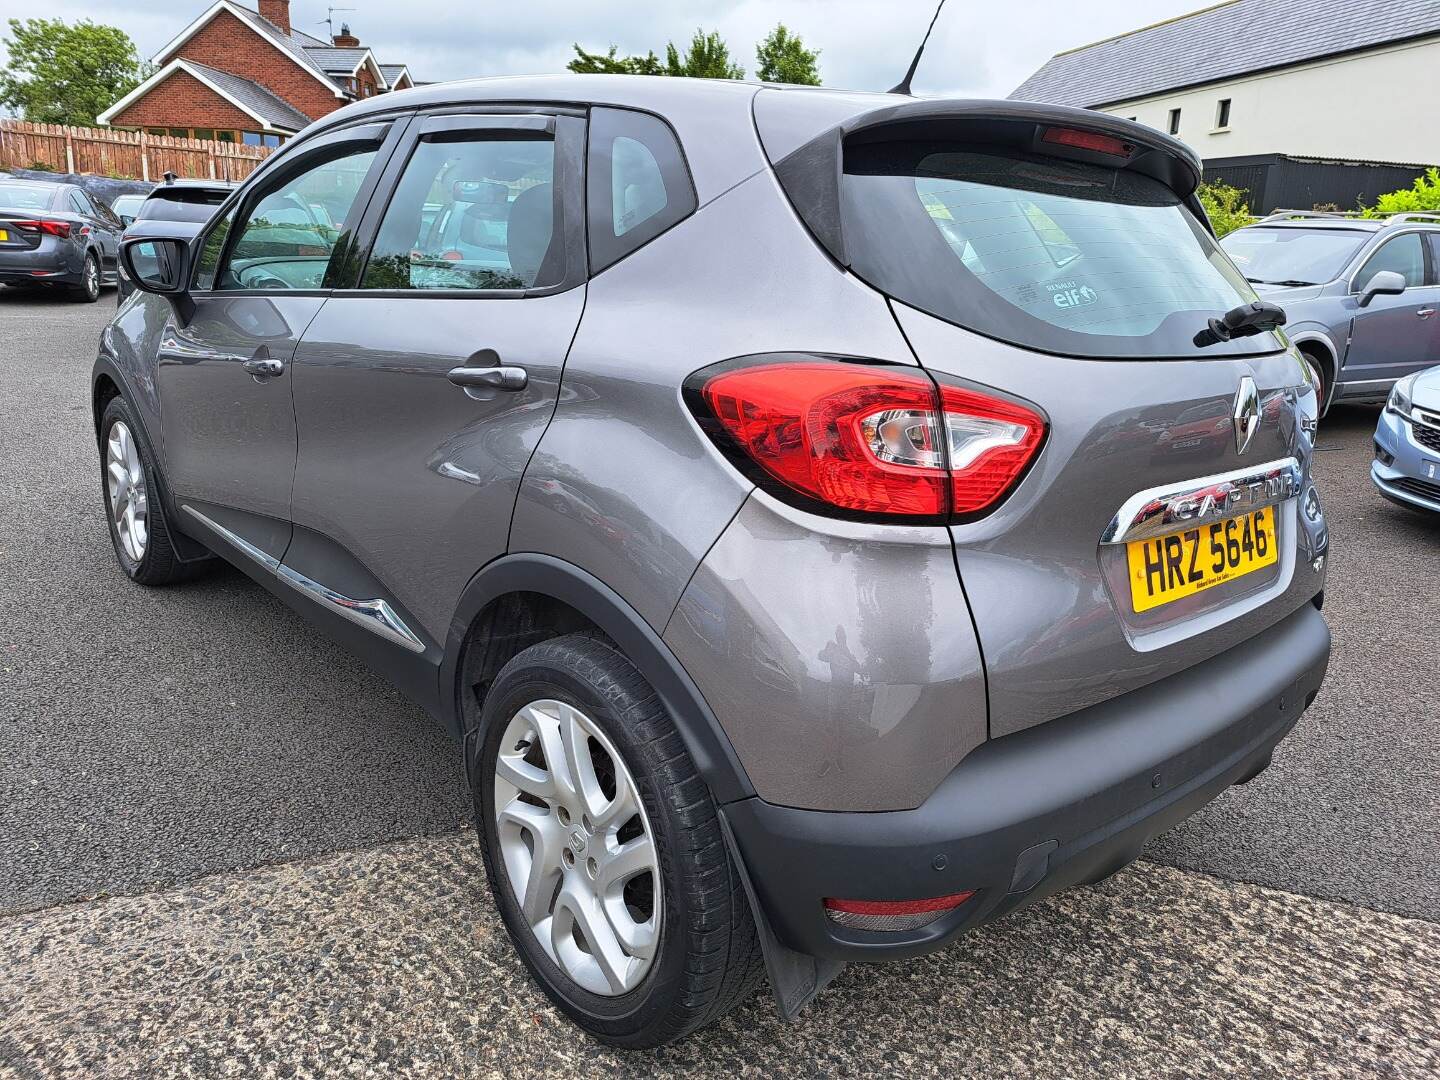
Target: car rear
[
  {"x": 185, "y": 204},
  {"x": 1125, "y": 620},
  {"x": 38, "y": 244}
]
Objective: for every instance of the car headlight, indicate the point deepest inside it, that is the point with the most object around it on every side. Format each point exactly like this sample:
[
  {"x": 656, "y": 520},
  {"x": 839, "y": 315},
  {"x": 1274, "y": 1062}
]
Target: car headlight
[{"x": 1402, "y": 396}]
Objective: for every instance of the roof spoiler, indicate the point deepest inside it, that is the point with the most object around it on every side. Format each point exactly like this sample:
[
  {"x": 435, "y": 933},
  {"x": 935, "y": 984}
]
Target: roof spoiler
[{"x": 812, "y": 173}]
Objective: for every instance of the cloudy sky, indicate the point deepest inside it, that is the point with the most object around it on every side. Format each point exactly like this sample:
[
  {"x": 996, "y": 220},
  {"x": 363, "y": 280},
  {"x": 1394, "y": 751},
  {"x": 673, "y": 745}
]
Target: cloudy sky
[{"x": 978, "y": 49}]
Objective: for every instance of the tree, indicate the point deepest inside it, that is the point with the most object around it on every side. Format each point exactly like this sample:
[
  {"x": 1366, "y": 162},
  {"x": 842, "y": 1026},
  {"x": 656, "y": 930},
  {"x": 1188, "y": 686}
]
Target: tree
[
  {"x": 783, "y": 58},
  {"x": 60, "y": 74},
  {"x": 1225, "y": 206},
  {"x": 588, "y": 63},
  {"x": 1422, "y": 196},
  {"x": 707, "y": 58}
]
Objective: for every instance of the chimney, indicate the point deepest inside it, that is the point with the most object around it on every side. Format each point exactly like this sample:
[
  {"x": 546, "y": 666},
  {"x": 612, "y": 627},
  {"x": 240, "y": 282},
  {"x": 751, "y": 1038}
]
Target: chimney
[
  {"x": 277, "y": 12},
  {"x": 344, "y": 39}
]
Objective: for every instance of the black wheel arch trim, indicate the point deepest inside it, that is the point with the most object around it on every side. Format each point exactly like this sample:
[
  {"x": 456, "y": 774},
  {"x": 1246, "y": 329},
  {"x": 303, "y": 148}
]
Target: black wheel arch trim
[
  {"x": 535, "y": 573},
  {"x": 187, "y": 548}
]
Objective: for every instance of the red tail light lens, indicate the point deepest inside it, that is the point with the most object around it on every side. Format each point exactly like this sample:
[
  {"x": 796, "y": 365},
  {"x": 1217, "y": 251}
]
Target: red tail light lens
[
  {"x": 54, "y": 228},
  {"x": 867, "y": 440}
]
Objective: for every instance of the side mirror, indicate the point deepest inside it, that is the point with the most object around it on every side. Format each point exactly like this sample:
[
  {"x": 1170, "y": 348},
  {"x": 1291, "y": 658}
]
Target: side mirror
[
  {"x": 157, "y": 264},
  {"x": 1384, "y": 283}
]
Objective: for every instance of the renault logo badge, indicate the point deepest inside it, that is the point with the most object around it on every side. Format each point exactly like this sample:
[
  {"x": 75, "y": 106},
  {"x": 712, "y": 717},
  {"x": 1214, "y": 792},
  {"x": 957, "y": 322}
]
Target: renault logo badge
[{"x": 1246, "y": 414}]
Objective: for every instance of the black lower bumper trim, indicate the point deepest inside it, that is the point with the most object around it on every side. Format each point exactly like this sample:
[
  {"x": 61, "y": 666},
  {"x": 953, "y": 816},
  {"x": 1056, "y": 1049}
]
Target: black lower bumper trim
[{"x": 1029, "y": 814}]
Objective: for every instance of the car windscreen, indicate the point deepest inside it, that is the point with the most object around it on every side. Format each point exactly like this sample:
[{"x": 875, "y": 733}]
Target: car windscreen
[
  {"x": 1061, "y": 256},
  {"x": 26, "y": 196},
  {"x": 1292, "y": 256},
  {"x": 127, "y": 204}
]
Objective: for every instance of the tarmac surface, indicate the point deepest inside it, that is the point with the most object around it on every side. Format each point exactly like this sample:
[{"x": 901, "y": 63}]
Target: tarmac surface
[{"x": 226, "y": 848}]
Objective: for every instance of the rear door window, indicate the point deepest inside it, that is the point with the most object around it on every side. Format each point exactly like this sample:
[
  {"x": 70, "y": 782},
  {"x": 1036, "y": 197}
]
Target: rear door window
[
  {"x": 472, "y": 211},
  {"x": 1062, "y": 256}
]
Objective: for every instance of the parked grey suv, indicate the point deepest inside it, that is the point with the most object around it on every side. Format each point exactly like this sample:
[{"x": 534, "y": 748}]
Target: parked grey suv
[
  {"x": 773, "y": 490},
  {"x": 1362, "y": 295}
]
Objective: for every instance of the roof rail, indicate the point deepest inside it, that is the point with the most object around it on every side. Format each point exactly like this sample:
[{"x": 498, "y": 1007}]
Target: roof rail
[
  {"x": 1276, "y": 215},
  {"x": 1411, "y": 215}
]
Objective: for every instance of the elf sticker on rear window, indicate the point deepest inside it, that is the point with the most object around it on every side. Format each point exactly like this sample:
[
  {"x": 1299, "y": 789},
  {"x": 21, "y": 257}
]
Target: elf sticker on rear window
[{"x": 1072, "y": 294}]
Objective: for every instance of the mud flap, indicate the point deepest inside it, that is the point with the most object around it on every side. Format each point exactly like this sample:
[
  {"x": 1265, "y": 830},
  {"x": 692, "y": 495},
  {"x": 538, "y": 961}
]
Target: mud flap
[{"x": 795, "y": 978}]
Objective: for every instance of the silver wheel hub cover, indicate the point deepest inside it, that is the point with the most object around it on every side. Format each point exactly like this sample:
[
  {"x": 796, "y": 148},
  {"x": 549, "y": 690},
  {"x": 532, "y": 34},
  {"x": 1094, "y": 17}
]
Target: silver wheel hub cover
[
  {"x": 125, "y": 483},
  {"x": 578, "y": 849}
]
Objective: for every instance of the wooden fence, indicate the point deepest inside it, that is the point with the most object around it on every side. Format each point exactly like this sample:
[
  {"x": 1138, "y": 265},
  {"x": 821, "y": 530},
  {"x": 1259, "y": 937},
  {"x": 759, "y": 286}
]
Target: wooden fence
[{"x": 131, "y": 155}]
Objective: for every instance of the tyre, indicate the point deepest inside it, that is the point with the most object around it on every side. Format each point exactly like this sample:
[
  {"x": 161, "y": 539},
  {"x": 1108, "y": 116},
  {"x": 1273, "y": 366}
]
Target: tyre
[
  {"x": 88, "y": 291},
  {"x": 1317, "y": 373},
  {"x": 603, "y": 848},
  {"x": 136, "y": 514}
]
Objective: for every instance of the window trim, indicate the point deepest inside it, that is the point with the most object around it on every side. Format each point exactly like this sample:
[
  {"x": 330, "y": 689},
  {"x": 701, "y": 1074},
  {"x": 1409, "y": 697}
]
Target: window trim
[
  {"x": 1363, "y": 260},
  {"x": 1222, "y": 114},
  {"x": 1172, "y": 126},
  {"x": 569, "y": 134},
  {"x": 384, "y": 135}
]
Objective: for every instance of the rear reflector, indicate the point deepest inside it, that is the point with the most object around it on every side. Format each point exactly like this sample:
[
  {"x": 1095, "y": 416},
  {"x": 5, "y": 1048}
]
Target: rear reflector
[
  {"x": 1089, "y": 140},
  {"x": 866, "y": 440},
  {"x": 892, "y": 915}
]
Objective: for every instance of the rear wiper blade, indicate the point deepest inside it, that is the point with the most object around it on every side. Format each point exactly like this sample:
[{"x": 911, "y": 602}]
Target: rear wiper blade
[
  {"x": 1245, "y": 320},
  {"x": 1289, "y": 282}
]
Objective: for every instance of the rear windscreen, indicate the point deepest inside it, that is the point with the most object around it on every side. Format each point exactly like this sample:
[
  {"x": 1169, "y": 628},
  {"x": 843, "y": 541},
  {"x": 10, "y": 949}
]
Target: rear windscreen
[
  {"x": 1062, "y": 256},
  {"x": 182, "y": 204}
]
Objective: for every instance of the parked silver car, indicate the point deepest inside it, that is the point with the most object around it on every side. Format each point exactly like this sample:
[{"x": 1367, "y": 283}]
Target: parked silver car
[
  {"x": 1362, "y": 296},
  {"x": 791, "y": 500},
  {"x": 1406, "y": 469}
]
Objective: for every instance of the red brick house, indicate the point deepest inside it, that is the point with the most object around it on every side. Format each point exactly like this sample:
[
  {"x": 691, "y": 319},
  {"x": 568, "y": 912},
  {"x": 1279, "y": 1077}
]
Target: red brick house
[{"x": 240, "y": 75}]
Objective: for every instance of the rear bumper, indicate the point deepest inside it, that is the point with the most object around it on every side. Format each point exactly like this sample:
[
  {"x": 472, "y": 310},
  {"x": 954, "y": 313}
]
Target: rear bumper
[
  {"x": 51, "y": 262},
  {"x": 1029, "y": 814}
]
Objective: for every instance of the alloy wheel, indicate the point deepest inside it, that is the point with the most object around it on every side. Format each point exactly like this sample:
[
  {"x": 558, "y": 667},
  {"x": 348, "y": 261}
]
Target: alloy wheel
[
  {"x": 578, "y": 849},
  {"x": 92, "y": 278},
  {"x": 125, "y": 480}
]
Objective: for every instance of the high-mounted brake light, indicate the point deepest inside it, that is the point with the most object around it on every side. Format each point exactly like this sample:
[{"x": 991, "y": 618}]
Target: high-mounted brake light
[
  {"x": 54, "y": 228},
  {"x": 866, "y": 440},
  {"x": 892, "y": 915},
  {"x": 1088, "y": 140}
]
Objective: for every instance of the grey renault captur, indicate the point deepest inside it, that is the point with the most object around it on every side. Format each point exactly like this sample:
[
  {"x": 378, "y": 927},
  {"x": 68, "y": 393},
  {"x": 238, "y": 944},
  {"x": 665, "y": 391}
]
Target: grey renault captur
[{"x": 773, "y": 490}]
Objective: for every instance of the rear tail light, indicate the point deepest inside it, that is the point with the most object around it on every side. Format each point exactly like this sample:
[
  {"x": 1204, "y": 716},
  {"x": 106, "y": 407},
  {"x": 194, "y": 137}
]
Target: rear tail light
[
  {"x": 892, "y": 915},
  {"x": 866, "y": 440},
  {"x": 54, "y": 228}
]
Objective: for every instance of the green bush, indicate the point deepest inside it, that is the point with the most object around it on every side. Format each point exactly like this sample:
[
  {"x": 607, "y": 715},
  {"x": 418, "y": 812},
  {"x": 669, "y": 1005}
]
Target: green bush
[
  {"x": 1421, "y": 196},
  {"x": 1225, "y": 206}
]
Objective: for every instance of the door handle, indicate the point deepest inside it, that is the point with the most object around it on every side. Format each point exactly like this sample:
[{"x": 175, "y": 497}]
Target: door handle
[
  {"x": 1425, "y": 312},
  {"x": 499, "y": 377},
  {"x": 264, "y": 366}
]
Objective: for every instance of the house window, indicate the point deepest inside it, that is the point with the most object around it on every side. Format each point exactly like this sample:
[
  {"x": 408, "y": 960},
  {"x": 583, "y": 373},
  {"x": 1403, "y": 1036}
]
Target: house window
[
  {"x": 1174, "y": 122},
  {"x": 225, "y": 136},
  {"x": 203, "y": 133},
  {"x": 1222, "y": 114},
  {"x": 256, "y": 138}
]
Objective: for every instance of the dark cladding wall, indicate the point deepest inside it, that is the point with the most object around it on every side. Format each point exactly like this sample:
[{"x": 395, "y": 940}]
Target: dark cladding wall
[{"x": 1276, "y": 181}]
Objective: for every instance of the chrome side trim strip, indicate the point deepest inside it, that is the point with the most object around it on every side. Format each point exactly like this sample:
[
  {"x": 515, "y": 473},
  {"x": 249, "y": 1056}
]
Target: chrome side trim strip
[
  {"x": 1161, "y": 510},
  {"x": 376, "y": 616},
  {"x": 264, "y": 558}
]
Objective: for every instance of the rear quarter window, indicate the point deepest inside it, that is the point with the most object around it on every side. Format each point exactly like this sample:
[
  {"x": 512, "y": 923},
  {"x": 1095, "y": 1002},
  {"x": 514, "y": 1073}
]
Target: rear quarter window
[
  {"x": 637, "y": 186},
  {"x": 1062, "y": 256}
]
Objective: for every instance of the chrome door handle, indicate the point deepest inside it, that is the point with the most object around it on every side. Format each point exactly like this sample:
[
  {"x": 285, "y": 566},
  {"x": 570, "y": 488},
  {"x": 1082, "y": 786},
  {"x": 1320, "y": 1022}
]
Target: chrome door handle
[
  {"x": 500, "y": 377},
  {"x": 1425, "y": 312},
  {"x": 264, "y": 367}
]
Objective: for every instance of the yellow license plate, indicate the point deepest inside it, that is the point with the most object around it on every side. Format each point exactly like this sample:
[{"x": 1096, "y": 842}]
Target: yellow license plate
[
  {"x": 1184, "y": 563},
  {"x": 4, "y": 234}
]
